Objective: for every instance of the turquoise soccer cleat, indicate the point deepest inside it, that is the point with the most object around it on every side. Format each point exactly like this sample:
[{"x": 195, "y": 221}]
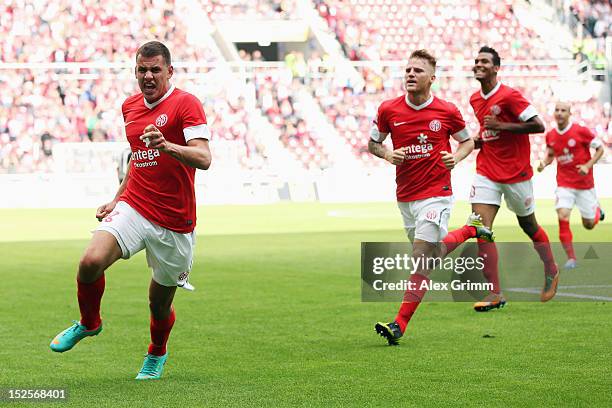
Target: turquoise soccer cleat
[
  {"x": 71, "y": 336},
  {"x": 152, "y": 368}
]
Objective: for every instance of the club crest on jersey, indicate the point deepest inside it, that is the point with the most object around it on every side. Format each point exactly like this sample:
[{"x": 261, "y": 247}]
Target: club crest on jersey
[
  {"x": 435, "y": 125},
  {"x": 161, "y": 120},
  {"x": 496, "y": 110},
  {"x": 571, "y": 143}
]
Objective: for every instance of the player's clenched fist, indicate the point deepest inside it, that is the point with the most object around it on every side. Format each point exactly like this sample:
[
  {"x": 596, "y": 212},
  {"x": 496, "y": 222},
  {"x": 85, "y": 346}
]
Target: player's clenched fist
[
  {"x": 448, "y": 159},
  {"x": 397, "y": 156},
  {"x": 154, "y": 138},
  {"x": 491, "y": 123},
  {"x": 105, "y": 209}
]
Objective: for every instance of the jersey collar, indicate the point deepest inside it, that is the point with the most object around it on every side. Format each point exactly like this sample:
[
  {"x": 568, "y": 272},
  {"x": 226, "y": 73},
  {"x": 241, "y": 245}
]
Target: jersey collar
[
  {"x": 160, "y": 100},
  {"x": 421, "y": 106},
  {"x": 490, "y": 94},
  {"x": 562, "y": 131}
]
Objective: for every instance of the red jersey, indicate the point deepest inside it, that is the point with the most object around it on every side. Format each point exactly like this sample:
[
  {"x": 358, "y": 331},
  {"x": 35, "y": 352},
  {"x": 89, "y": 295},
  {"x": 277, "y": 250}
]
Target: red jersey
[
  {"x": 159, "y": 186},
  {"x": 424, "y": 130},
  {"x": 571, "y": 146},
  {"x": 504, "y": 157}
]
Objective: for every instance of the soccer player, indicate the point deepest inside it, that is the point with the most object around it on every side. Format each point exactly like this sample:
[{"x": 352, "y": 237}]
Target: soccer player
[
  {"x": 503, "y": 169},
  {"x": 420, "y": 126},
  {"x": 570, "y": 144},
  {"x": 154, "y": 208}
]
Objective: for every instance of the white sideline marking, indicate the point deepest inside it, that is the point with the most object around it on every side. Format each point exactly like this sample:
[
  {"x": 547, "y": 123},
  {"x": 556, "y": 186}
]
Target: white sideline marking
[{"x": 573, "y": 295}]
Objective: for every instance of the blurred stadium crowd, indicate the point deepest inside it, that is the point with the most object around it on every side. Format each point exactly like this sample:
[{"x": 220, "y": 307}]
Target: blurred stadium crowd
[{"x": 41, "y": 107}]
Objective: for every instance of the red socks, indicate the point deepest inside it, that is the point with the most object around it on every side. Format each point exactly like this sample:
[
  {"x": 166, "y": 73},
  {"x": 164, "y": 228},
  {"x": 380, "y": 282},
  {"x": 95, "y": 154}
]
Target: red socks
[
  {"x": 542, "y": 246},
  {"x": 412, "y": 299},
  {"x": 565, "y": 236},
  {"x": 90, "y": 297},
  {"x": 457, "y": 237},
  {"x": 488, "y": 251},
  {"x": 160, "y": 331}
]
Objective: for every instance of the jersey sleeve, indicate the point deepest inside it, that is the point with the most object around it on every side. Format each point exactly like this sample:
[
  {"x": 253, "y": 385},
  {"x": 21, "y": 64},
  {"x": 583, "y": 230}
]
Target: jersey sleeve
[
  {"x": 457, "y": 125},
  {"x": 194, "y": 119},
  {"x": 589, "y": 139},
  {"x": 520, "y": 107},
  {"x": 380, "y": 126}
]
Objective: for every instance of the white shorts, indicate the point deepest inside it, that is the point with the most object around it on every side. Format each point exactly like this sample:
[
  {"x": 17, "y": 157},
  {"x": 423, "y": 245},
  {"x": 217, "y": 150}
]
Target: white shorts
[
  {"x": 585, "y": 200},
  {"x": 426, "y": 219},
  {"x": 169, "y": 253},
  {"x": 518, "y": 196}
]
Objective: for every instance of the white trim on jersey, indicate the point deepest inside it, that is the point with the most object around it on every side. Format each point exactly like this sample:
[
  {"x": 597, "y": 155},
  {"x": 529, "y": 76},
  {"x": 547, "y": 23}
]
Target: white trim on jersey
[
  {"x": 528, "y": 113},
  {"x": 421, "y": 106},
  {"x": 196, "y": 132},
  {"x": 462, "y": 135},
  {"x": 490, "y": 94},
  {"x": 568, "y": 127},
  {"x": 376, "y": 135},
  {"x": 160, "y": 100},
  {"x": 596, "y": 143}
]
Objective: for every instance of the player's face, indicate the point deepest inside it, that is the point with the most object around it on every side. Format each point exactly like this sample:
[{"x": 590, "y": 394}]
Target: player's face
[
  {"x": 483, "y": 67},
  {"x": 419, "y": 76},
  {"x": 153, "y": 77},
  {"x": 562, "y": 113}
]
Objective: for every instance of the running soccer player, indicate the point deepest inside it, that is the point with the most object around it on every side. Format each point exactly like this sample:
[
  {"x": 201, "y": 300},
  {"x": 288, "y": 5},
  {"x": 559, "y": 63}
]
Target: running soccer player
[
  {"x": 503, "y": 169},
  {"x": 420, "y": 126},
  {"x": 570, "y": 144},
  {"x": 154, "y": 208}
]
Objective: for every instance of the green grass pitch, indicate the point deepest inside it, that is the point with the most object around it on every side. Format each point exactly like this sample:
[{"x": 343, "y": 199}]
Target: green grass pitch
[{"x": 277, "y": 320}]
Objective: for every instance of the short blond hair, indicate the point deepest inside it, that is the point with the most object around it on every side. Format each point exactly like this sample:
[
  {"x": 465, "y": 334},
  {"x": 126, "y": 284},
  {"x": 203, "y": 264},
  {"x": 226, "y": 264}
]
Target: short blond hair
[{"x": 425, "y": 55}]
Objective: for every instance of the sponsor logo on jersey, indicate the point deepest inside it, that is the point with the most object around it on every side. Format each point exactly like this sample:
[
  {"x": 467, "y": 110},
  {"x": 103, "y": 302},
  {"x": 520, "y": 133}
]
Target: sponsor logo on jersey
[
  {"x": 496, "y": 110},
  {"x": 145, "y": 158},
  {"x": 419, "y": 150},
  {"x": 566, "y": 157},
  {"x": 488, "y": 135},
  {"x": 161, "y": 120},
  {"x": 435, "y": 125}
]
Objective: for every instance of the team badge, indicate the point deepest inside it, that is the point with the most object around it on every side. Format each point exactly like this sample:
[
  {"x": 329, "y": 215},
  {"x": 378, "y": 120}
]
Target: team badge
[
  {"x": 435, "y": 125},
  {"x": 183, "y": 276},
  {"x": 161, "y": 120},
  {"x": 528, "y": 201},
  {"x": 571, "y": 143},
  {"x": 431, "y": 215},
  {"x": 496, "y": 110}
]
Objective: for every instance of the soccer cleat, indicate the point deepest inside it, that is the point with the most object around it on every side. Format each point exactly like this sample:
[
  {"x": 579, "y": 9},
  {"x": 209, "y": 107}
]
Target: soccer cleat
[
  {"x": 474, "y": 220},
  {"x": 602, "y": 214},
  {"x": 152, "y": 367},
  {"x": 491, "y": 301},
  {"x": 570, "y": 264},
  {"x": 550, "y": 287},
  {"x": 390, "y": 331},
  {"x": 71, "y": 336}
]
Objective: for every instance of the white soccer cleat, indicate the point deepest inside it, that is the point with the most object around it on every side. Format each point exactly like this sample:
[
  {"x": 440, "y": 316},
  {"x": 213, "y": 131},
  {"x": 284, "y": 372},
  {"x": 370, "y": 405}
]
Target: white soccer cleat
[
  {"x": 570, "y": 264},
  {"x": 185, "y": 285}
]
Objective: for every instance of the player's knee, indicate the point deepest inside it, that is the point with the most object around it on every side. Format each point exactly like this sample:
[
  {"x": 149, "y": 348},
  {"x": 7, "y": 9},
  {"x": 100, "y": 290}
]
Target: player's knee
[
  {"x": 91, "y": 265},
  {"x": 588, "y": 224},
  {"x": 160, "y": 310}
]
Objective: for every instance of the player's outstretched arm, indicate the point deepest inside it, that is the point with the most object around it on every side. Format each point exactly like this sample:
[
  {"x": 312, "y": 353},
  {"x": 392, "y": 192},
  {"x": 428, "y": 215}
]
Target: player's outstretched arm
[
  {"x": 195, "y": 154},
  {"x": 550, "y": 156},
  {"x": 533, "y": 125},
  {"x": 395, "y": 157}
]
